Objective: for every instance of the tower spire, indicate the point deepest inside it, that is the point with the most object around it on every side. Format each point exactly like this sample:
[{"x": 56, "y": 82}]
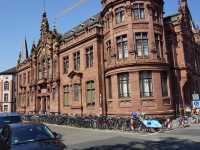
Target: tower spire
[
  {"x": 183, "y": 5},
  {"x": 23, "y": 55},
  {"x": 44, "y": 23},
  {"x": 44, "y": 5}
]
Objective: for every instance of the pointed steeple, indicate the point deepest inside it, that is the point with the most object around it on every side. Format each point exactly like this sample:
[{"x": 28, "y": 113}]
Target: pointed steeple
[
  {"x": 23, "y": 55},
  {"x": 33, "y": 47},
  {"x": 183, "y": 6},
  {"x": 44, "y": 23}
]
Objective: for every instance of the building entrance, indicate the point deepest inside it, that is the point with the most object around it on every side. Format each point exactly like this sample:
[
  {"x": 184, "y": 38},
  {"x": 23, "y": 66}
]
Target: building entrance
[{"x": 44, "y": 105}]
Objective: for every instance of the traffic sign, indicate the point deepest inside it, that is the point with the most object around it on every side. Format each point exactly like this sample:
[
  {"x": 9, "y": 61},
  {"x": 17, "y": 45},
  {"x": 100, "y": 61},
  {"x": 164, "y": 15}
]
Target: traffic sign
[
  {"x": 196, "y": 104},
  {"x": 195, "y": 97}
]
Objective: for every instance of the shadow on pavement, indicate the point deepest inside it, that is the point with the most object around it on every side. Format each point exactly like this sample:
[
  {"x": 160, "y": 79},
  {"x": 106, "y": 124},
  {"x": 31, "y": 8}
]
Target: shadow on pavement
[{"x": 164, "y": 144}]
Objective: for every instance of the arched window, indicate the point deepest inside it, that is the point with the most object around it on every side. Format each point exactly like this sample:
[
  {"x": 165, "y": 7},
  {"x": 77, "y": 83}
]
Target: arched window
[{"x": 6, "y": 85}]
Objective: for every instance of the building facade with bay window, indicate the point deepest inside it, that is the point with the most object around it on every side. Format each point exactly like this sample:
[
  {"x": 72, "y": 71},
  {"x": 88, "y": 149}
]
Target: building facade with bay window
[{"x": 119, "y": 61}]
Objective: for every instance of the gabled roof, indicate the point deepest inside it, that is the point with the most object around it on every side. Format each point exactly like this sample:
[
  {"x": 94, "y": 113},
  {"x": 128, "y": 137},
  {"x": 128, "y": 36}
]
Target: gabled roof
[{"x": 9, "y": 71}]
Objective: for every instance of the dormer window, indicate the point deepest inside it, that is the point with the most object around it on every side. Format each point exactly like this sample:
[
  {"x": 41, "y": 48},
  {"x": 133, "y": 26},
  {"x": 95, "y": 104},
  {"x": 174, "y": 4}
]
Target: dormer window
[{"x": 120, "y": 15}]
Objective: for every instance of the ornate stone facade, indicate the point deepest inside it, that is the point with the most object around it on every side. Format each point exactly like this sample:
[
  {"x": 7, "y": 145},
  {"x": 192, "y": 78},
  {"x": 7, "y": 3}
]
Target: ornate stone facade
[{"x": 116, "y": 62}]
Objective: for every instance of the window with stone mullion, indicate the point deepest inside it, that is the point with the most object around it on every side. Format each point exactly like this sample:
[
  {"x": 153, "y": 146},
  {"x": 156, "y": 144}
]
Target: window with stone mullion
[
  {"x": 123, "y": 80},
  {"x": 146, "y": 88},
  {"x": 66, "y": 95},
  {"x": 77, "y": 92},
  {"x": 89, "y": 57},
  {"x": 138, "y": 11},
  {"x": 77, "y": 61},
  {"x": 142, "y": 49},
  {"x": 120, "y": 15},
  {"x": 122, "y": 47},
  {"x": 65, "y": 65},
  {"x": 90, "y": 93}
]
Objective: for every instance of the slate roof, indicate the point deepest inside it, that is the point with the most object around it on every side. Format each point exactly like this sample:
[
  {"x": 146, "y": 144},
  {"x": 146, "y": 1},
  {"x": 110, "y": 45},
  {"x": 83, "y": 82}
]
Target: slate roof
[
  {"x": 9, "y": 71},
  {"x": 81, "y": 27}
]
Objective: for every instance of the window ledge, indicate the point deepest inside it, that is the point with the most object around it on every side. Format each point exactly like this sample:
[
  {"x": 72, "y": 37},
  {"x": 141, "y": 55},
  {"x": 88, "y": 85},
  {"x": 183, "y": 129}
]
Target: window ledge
[
  {"x": 91, "y": 104},
  {"x": 166, "y": 97},
  {"x": 140, "y": 21},
  {"x": 75, "y": 107},
  {"x": 124, "y": 99},
  {"x": 120, "y": 25},
  {"x": 147, "y": 98}
]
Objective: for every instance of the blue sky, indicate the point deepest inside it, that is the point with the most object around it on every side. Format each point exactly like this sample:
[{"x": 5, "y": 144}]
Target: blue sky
[{"x": 20, "y": 18}]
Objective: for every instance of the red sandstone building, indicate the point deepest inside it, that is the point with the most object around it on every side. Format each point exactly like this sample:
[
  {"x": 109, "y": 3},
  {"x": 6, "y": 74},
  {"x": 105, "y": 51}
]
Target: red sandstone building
[{"x": 126, "y": 58}]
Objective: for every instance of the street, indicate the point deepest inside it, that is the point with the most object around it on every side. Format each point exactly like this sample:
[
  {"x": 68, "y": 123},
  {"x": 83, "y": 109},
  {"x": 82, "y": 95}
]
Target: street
[{"x": 90, "y": 139}]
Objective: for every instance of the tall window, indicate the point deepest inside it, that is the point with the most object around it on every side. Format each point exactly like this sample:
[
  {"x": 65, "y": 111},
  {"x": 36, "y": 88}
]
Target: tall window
[
  {"x": 122, "y": 47},
  {"x": 44, "y": 68},
  {"x": 156, "y": 15},
  {"x": 123, "y": 84},
  {"x": 107, "y": 23},
  {"x": 164, "y": 84},
  {"x": 90, "y": 93},
  {"x": 49, "y": 68},
  {"x": 108, "y": 47},
  {"x": 146, "y": 88},
  {"x": 89, "y": 57},
  {"x": 66, "y": 95},
  {"x": 29, "y": 73},
  {"x": 40, "y": 70},
  {"x": 20, "y": 79},
  {"x": 77, "y": 61},
  {"x": 120, "y": 15},
  {"x": 142, "y": 44},
  {"x": 77, "y": 92},
  {"x": 24, "y": 78},
  {"x": 109, "y": 83},
  {"x": 6, "y": 97},
  {"x": 158, "y": 44},
  {"x": 6, "y": 85},
  {"x": 65, "y": 65},
  {"x": 5, "y": 108},
  {"x": 138, "y": 11},
  {"x": 28, "y": 99}
]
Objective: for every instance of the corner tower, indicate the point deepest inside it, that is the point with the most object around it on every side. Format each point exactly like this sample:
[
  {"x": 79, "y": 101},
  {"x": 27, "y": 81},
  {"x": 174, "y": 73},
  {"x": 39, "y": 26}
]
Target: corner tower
[{"x": 136, "y": 65}]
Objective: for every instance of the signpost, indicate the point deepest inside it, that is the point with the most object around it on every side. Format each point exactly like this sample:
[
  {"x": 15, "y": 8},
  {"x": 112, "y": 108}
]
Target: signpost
[
  {"x": 195, "y": 101},
  {"x": 195, "y": 97},
  {"x": 196, "y": 104}
]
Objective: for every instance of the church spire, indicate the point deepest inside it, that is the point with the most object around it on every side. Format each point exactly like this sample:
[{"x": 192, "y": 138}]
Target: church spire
[
  {"x": 23, "y": 55},
  {"x": 183, "y": 6},
  {"x": 44, "y": 23}
]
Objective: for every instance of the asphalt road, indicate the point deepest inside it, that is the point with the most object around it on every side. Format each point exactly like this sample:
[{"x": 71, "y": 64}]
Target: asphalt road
[{"x": 90, "y": 139}]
